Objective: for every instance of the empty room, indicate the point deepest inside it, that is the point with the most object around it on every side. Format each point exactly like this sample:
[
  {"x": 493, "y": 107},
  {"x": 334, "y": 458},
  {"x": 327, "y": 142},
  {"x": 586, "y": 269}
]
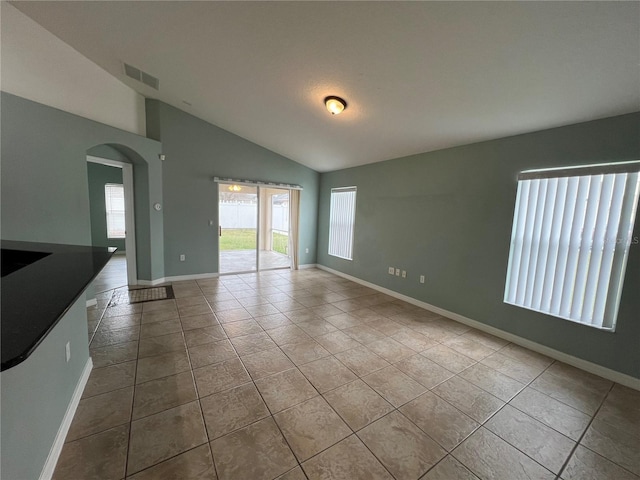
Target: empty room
[{"x": 320, "y": 240}]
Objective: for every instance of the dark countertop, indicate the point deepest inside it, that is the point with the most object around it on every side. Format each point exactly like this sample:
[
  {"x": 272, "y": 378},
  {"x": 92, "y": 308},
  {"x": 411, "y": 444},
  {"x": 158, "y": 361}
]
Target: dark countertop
[{"x": 35, "y": 297}]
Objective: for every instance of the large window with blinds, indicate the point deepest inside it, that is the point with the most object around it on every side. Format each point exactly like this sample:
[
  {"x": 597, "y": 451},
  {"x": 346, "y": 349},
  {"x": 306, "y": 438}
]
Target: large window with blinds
[
  {"x": 114, "y": 203},
  {"x": 572, "y": 230},
  {"x": 342, "y": 218}
]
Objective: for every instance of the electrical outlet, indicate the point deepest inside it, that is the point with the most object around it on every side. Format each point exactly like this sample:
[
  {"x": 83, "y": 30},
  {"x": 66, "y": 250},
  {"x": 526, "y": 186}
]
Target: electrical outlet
[
  {"x": 182, "y": 257},
  {"x": 211, "y": 223},
  {"x": 421, "y": 278},
  {"x": 404, "y": 274},
  {"x": 391, "y": 270},
  {"x": 67, "y": 351},
  {"x": 397, "y": 272},
  {"x": 306, "y": 250}
]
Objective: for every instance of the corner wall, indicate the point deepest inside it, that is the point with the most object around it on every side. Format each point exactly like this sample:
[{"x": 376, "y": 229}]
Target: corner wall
[
  {"x": 448, "y": 215},
  {"x": 195, "y": 152}
]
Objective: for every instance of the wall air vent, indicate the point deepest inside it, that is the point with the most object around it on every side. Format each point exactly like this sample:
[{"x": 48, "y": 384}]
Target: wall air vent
[{"x": 141, "y": 76}]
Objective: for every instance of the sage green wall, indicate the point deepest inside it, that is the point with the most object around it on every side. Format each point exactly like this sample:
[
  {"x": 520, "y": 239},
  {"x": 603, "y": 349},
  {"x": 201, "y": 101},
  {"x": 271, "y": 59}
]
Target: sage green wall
[
  {"x": 448, "y": 215},
  {"x": 98, "y": 176},
  {"x": 196, "y": 151},
  {"x": 36, "y": 393},
  {"x": 45, "y": 194}
]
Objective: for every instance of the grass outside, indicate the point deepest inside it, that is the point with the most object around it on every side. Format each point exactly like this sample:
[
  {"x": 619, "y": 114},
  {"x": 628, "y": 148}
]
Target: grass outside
[{"x": 245, "y": 239}]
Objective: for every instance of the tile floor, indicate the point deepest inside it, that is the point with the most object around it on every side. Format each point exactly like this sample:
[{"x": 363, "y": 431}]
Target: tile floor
[
  {"x": 296, "y": 375},
  {"x": 113, "y": 275},
  {"x": 245, "y": 260}
]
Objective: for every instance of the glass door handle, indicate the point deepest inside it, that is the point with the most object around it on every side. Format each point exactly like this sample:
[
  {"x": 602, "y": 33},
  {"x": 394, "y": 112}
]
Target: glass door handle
[{"x": 219, "y": 230}]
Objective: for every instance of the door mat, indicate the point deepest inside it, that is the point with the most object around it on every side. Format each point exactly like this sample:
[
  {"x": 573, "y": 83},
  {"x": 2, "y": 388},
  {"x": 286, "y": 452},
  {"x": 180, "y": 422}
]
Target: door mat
[{"x": 124, "y": 296}]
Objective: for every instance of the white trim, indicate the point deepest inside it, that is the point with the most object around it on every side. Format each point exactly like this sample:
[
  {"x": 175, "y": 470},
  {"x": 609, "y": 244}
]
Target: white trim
[
  {"x": 129, "y": 215},
  {"x": 306, "y": 266},
  {"x": 622, "y": 378},
  {"x": 56, "y": 448},
  {"x": 256, "y": 183},
  {"x": 177, "y": 278},
  {"x": 92, "y": 302}
]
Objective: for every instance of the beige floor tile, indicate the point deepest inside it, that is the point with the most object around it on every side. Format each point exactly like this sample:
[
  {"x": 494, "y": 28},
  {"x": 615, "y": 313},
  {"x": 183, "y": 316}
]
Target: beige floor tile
[
  {"x": 344, "y": 320},
  {"x": 424, "y": 371},
  {"x": 228, "y": 304},
  {"x": 188, "y": 301},
  {"x": 394, "y": 386},
  {"x": 486, "y": 339},
  {"x": 266, "y": 363},
  {"x": 347, "y": 460},
  {"x": 102, "y": 456},
  {"x": 363, "y": 334},
  {"x": 403, "y": 448},
  {"x": 101, "y": 412},
  {"x": 336, "y": 342},
  {"x": 110, "y": 355},
  {"x": 621, "y": 409},
  {"x": 234, "y": 315},
  {"x": 574, "y": 394},
  {"x": 300, "y": 315},
  {"x": 311, "y": 427},
  {"x": 358, "y": 404},
  {"x": 162, "y": 394},
  {"x": 385, "y": 326},
  {"x": 159, "y": 305},
  {"x": 243, "y": 327},
  {"x": 194, "y": 464},
  {"x": 232, "y": 409},
  {"x": 391, "y": 350},
  {"x": 261, "y": 310},
  {"x": 327, "y": 373},
  {"x": 209, "y": 353},
  {"x": 107, "y": 337},
  {"x": 155, "y": 329},
  {"x": 164, "y": 435},
  {"x": 159, "y": 315},
  {"x": 325, "y": 310},
  {"x": 112, "y": 377},
  {"x": 492, "y": 381},
  {"x": 317, "y": 327},
  {"x": 121, "y": 321},
  {"x": 294, "y": 474},
  {"x": 449, "y": 469},
  {"x": 256, "y": 342},
  {"x": 191, "y": 310},
  {"x": 472, "y": 400},
  {"x": 546, "y": 446},
  {"x": 469, "y": 347},
  {"x": 273, "y": 321},
  {"x": 256, "y": 452},
  {"x": 361, "y": 360},
  {"x": 553, "y": 413},
  {"x": 304, "y": 352},
  {"x": 193, "y": 322},
  {"x": 200, "y": 336},
  {"x": 220, "y": 376},
  {"x": 488, "y": 456},
  {"x": 173, "y": 342},
  {"x": 159, "y": 366},
  {"x": 527, "y": 356},
  {"x": 441, "y": 421},
  {"x": 516, "y": 369},
  {"x": 288, "y": 334},
  {"x": 448, "y": 358},
  {"x": 587, "y": 465},
  {"x": 122, "y": 310},
  {"x": 414, "y": 340},
  {"x": 285, "y": 389},
  {"x": 615, "y": 444}
]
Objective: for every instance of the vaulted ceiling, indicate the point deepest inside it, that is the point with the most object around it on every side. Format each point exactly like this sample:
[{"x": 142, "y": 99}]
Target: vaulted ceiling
[{"x": 417, "y": 76}]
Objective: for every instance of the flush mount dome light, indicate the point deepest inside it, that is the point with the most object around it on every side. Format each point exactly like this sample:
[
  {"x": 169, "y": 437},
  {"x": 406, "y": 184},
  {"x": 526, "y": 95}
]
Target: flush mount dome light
[
  {"x": 335, "y": 105},
  {"x": 235, "y": 188}
]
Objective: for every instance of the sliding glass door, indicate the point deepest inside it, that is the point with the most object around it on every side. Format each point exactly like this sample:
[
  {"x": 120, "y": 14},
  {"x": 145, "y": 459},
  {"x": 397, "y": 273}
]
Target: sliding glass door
[{"x": 274, "y": 228}]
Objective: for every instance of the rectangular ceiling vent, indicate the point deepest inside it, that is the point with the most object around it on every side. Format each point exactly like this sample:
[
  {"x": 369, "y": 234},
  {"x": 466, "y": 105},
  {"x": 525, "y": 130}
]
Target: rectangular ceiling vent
[{"x": 141, "y": 76}]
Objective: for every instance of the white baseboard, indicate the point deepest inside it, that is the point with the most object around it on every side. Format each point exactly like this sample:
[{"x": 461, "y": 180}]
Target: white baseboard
[
  {"x": 307, "y": 265},
  {"x": 613, "y": 375},
  {"x": 56, "y": 448},
  {"x": 92, "y": 302},
  {"x": 177, "y": 278}
]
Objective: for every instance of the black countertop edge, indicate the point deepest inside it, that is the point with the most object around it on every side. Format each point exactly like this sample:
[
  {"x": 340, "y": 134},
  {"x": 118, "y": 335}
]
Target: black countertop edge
[{"x": 35, "y": 297}]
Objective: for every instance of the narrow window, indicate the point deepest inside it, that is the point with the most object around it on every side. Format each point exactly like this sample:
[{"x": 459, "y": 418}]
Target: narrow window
[
  {"x": 572, "y": 229},
  {"x": 114, "y": 202},
  {"x": 341, "y": 222}
]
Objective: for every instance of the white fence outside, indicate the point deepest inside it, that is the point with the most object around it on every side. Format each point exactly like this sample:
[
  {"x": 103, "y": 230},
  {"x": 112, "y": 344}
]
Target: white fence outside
[{"x": 243, "y": 215}]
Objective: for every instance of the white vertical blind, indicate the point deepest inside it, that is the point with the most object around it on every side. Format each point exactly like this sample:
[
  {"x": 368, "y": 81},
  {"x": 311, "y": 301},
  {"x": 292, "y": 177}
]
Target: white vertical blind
[
  {"x": 114, "y": 202},
  {"x": 569, "y": 244},
  {"x": 341, "y": 222}
]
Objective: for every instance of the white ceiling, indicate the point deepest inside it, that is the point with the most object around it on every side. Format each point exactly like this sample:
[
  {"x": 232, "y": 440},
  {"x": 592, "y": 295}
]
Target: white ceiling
[{"x": 417, "y": 76}]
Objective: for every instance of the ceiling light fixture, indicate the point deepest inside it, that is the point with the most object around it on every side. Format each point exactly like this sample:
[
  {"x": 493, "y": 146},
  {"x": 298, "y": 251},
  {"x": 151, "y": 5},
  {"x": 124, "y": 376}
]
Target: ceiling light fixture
[
  {"x": 235, "y": 188},
  {"x": 335, "y": 105}
]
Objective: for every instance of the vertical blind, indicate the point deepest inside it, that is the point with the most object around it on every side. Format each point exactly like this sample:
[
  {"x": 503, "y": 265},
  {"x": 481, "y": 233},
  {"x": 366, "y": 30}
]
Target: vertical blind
[
  {"x": 114, "y": 202},
  {"x": 341, "y": 222},
  {"x": 569, "y": 244}
]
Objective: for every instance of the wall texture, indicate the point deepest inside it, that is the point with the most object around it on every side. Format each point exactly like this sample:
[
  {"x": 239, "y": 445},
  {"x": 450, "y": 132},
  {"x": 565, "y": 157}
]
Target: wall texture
[
  {"x": 197, "y": 151},
  {"x": 448, "y": 215},
  {"x": 98, "y": 176},
  {"x": 39, "y": 66}
]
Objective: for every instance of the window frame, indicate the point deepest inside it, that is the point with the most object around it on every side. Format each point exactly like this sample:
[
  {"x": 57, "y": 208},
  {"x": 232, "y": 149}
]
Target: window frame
[
  {"x": 108, "y": 211},
  {"x": 343, "y": 251}
]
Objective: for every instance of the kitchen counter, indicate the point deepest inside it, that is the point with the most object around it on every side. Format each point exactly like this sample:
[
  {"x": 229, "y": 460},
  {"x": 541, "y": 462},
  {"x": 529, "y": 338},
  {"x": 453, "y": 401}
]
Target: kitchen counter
[{"x": 40, "y": 282}]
